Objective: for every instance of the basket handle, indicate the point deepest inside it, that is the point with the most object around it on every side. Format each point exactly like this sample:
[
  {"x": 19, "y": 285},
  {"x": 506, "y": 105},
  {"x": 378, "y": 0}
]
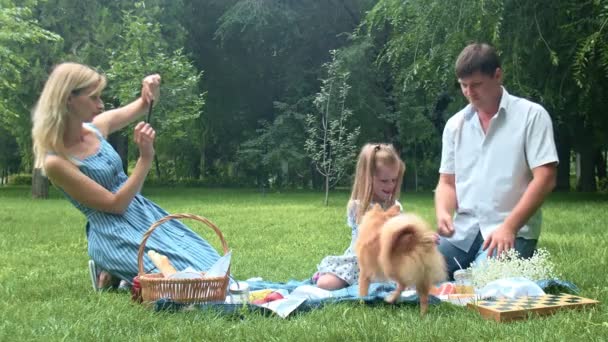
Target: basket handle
[{"x": 140, "y": 253}]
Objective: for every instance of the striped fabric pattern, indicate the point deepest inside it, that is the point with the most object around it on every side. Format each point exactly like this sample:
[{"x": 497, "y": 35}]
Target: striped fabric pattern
[{"x": 113, "y": 240}]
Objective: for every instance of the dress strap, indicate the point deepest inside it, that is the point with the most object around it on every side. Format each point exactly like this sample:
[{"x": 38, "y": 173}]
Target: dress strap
[{"x": 92, "y": 127}]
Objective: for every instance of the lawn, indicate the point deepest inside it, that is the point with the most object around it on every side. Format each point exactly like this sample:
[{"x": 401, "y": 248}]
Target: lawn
[{"x": 45, "y": 292}]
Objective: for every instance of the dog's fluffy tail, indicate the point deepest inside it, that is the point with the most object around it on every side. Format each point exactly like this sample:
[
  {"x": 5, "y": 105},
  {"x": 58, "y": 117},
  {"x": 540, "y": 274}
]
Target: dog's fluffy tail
[
  {"x": 401, "y": 236},
  {"x": 407, "y": 250}
]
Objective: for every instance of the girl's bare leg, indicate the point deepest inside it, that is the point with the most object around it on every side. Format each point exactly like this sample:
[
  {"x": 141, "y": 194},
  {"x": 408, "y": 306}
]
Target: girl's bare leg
[{"x": 328, "y": 281}]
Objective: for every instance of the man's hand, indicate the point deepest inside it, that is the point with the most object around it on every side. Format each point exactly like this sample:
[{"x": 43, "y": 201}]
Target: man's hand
[
  {"x": 445, "y": 204},
  {"x": 445, "y": 227},
  {"x": 500, "y": 240},
  {"x": 436, "y": 238}
]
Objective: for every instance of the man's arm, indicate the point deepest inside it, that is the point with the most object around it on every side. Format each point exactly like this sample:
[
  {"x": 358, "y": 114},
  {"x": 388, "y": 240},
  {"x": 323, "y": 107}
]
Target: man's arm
[
  {"x": 445, "y": 204},
  {"x": 543, "y": 182}
]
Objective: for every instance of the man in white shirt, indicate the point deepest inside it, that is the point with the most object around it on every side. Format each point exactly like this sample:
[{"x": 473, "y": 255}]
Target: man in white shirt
[{"x": 498, "y": 164}]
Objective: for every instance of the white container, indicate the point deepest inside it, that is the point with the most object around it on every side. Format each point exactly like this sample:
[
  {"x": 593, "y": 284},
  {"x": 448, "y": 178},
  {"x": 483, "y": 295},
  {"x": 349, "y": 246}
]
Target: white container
[{"x": 239, "y": 292}]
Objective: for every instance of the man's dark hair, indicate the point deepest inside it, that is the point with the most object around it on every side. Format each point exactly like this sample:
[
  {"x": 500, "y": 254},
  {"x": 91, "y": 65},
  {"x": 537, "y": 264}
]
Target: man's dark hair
[{"x": 477, "y": 57}]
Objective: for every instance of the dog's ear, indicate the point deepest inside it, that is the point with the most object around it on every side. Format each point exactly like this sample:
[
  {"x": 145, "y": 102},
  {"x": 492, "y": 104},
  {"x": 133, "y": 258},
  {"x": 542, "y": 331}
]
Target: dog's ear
[
  {"x": 376, "y": 207},
  {"x": 394, "y": 210}
]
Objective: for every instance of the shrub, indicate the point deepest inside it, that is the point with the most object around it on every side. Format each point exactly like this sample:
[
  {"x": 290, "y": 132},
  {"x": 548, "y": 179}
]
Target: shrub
[
  {"x": 602, "y": 185},
  {"x": 20, "y": 179}
]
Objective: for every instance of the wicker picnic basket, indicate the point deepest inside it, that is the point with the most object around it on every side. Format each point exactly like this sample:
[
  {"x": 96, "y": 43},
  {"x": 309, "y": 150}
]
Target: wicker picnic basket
[{"x": 154, "y": 286}]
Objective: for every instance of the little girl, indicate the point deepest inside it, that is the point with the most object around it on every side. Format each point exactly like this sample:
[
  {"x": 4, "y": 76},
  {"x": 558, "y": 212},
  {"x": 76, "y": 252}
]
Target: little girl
[{"x": 378, "y": 179}]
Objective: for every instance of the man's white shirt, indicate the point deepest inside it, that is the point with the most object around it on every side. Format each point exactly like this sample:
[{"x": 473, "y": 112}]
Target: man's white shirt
[{"x": 493, "y": 170}]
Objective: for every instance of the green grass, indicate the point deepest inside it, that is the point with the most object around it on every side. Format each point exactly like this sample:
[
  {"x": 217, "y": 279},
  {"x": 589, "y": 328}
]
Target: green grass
[{"x": 45, "y": 291}]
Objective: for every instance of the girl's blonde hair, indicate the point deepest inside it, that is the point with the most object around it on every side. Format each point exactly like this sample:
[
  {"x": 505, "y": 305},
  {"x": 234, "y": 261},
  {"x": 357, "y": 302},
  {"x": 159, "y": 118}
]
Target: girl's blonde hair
[
  {"x": 370, "y": 158},
  {"x": 50, "y": 115}
]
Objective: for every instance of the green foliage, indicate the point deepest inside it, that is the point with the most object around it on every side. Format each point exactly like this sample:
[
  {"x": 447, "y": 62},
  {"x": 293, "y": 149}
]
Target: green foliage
[
  {"x": 20, "y": 179},
  {"x": 19, "y": 33},
  {"x": 9, "y": 152},
  {"x": 370, "y": 95},
  {"x": 275, "y": 154},
  {"x": 399, "y": 56},
  {"x": 143, "y": 51},
  {"x": 263, "y": 21},
  {"x": 594, "y": 47},
  {"x": 553, "y": 52},
  {"x": 417, "y": 43},
  {"x": 257, "y": 53},
  {"x": 602, "y": 185},
  {"x": 18, "y": 28},
  {"x": 331, "y": 142},
  {"x": 426, "y": 36}
]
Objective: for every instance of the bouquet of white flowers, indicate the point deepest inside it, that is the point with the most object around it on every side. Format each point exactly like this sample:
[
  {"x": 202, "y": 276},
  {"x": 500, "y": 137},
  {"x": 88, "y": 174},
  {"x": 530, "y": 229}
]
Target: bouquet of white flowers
[{"x": 510, "y": 264}]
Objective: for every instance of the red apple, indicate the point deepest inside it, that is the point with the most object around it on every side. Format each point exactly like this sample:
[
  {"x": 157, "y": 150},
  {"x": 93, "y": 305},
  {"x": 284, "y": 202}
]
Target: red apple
[{"x": 273, "y": 296}]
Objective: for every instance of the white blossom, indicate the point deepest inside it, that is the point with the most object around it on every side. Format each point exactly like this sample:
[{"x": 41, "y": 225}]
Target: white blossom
[{"x": 510, "y": 264}]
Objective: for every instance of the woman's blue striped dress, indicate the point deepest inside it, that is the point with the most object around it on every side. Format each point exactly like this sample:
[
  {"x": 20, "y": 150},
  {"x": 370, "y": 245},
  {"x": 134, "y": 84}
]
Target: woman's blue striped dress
[{"x": 113, "y": 240}]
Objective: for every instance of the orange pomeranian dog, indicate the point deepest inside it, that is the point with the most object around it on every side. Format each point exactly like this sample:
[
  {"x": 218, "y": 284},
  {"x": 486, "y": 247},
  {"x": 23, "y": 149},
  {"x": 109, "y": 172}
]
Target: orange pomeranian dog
[{"x": 400, "y": 247}]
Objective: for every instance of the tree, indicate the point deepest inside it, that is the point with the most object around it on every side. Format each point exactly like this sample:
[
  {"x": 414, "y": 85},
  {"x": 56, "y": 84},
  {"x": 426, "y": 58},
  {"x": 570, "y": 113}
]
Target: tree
[
  {"x": 553, "y": 52},
  {"x": 9, "y": 155},
  {"x": 256, "y": 53},
  {"x": 142, "y": 50},
  {"x": 275, "y": 152},
  {"x": 331, "y": 143},
  {"x": 19, "y": 30}
]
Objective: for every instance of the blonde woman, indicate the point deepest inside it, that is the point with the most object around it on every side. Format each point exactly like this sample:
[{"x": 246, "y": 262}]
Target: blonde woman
[
  {"x": 378, "y": 179},
  {"x": 69, "y": 134}
]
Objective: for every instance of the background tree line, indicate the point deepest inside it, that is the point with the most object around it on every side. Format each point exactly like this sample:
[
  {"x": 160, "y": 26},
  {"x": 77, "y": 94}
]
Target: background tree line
[{"x": 241, "y": 77}]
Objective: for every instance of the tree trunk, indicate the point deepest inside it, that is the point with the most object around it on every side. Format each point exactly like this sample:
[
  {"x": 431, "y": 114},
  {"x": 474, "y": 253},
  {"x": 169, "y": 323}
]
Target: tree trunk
[
  {"x": 40, "y": 185},
  {"x": 600, "y": 164},
  {"x": 415, "y": 168},
  {"x": 314, "y": 175},
  {"x": 157, "y": 166},
  {"x": 563, "y": 168},
  {"x": 326, "y": 190},
  {"x": 195, "y": 170},
  {"x": 586, "y": 182}
]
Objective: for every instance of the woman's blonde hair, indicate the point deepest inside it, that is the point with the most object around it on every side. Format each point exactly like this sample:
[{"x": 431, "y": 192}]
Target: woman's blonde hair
[
  {"x": 370, "y": 158},
  {"x": 50, "y": 115}
]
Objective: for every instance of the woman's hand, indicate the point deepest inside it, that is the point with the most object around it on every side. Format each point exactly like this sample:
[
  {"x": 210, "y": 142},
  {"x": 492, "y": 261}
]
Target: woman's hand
[
  {"x": 144, "y": 138},
  {"x": 115, "y": 119},
  {"x": 150, "y": 88}
]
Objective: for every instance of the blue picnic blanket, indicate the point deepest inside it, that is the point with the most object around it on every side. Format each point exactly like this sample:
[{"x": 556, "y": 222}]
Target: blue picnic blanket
[{"x": 377, "y": 293}]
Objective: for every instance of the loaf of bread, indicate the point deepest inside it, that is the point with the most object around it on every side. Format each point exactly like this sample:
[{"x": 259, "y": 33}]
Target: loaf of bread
[{"x": 162, "y": 263}]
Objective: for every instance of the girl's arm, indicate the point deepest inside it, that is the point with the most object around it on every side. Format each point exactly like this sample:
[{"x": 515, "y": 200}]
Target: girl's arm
[
  {"x": 115, "y": 119},
  {"x": 83, "y": 189}
]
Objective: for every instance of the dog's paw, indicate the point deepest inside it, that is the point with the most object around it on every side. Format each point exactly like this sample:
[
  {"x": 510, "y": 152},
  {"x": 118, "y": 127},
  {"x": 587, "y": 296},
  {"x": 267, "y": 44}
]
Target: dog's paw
[{"x": 392, "y": 297}]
